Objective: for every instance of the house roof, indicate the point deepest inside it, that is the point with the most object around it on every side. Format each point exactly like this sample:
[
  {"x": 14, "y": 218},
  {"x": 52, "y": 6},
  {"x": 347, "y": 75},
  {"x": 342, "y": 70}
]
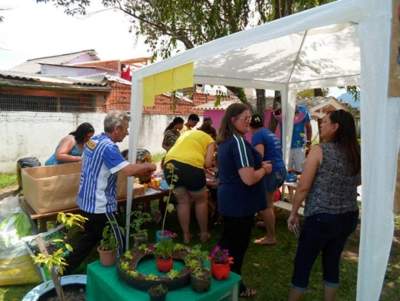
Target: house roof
[
  {"x": 33, "y": 65},
  {"x": 211, "y": 105},
  {"x": 19, "y": 79}
]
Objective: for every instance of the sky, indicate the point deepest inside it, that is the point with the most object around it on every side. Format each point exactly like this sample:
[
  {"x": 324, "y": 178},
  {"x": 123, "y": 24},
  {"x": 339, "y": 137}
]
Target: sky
[{"x": 32, "y": 30}]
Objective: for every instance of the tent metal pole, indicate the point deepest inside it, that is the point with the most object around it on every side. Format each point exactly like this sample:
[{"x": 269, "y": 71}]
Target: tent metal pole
[
  {"x": 297, "y": 56},
  {"x": 134, "y": 129}
]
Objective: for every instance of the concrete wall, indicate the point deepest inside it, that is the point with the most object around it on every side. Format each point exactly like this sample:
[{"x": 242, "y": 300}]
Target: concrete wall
[{"x": 25, "y": 134}]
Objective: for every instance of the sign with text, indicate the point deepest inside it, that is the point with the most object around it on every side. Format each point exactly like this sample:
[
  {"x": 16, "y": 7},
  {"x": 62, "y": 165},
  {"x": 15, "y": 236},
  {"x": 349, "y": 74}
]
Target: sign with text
[
  {"x": 394, "y": 73},
  {"x": 397, "y": 188}
]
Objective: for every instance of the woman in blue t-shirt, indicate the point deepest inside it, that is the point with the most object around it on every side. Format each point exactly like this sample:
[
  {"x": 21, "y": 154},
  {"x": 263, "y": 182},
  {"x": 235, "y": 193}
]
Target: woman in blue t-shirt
[
  {"x": 269, "y": 147},
  {"x": 241, "y": 192}
]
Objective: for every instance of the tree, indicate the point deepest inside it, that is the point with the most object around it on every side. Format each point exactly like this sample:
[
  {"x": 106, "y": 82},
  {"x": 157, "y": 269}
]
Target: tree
[{"x": 168, "y": 25}]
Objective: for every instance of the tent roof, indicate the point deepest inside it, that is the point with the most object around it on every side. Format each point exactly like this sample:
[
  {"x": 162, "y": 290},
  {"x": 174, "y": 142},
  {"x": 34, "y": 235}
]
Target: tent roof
[{"x": 288, "y": 51}]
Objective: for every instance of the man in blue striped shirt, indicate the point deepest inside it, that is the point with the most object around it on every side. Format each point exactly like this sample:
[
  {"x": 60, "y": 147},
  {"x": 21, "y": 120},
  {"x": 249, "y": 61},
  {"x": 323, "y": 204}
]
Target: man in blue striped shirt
[{"x": 101, "y": 163}]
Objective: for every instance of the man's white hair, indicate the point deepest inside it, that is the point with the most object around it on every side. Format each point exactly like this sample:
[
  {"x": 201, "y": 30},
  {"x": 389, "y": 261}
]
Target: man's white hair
[{"x": 115, "y": 119}]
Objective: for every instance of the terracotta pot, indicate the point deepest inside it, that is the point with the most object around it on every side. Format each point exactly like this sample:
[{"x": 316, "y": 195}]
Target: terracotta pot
[
  {"x": 107, "y": 257},
  {"x": 220, "y": 271},
  {"x": 164, "y": 265}
]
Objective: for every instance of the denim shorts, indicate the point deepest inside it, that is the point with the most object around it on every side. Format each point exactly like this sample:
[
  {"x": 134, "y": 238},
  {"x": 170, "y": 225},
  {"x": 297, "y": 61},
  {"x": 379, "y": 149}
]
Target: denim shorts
[{"x": 275, "y": 179}]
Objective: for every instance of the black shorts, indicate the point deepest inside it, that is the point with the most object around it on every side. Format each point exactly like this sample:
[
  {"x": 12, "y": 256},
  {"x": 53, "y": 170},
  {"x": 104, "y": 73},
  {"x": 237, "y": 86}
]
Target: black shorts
[{"x": 190, "y": 177}]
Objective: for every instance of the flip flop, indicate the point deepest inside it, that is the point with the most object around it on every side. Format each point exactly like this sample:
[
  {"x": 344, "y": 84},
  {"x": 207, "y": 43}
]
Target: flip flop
[{"x": 248, "y": 293}]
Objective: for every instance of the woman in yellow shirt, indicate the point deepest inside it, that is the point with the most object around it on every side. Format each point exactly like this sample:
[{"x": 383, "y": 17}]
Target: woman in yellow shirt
[{"x": 192, "y": 152}]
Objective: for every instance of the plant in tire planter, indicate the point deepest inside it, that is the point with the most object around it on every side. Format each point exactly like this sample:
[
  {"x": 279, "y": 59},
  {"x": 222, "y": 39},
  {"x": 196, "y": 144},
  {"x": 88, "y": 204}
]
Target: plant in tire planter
[
  {"x": 158, "y": 292},
  {"x": 139, "y": 219},
  {"x": 107, "y": 247},
  {"x": 220, "y": 263},
  {"x": 200, "y": 280},
  {"x": 54, "y": 260},
  {"x": 163, "y": 252}
]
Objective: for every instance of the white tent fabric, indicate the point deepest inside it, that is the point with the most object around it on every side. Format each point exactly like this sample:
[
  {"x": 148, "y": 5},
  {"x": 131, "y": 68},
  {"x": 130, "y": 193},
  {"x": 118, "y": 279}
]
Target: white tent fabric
[{"x": 330, "y": 45}]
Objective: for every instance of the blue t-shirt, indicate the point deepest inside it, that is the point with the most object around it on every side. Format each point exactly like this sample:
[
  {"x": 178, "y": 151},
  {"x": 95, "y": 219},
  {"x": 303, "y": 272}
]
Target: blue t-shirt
[
  {"x": 301, "y": 118},
  {"x": 100, "y": 164},
  {"x": 272, "y": 147},
  {"x": 235, "y": 198}
]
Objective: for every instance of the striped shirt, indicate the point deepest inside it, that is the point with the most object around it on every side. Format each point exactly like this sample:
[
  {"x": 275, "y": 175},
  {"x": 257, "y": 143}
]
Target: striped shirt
[
  {"x": 101, "y": 162},
  {"x": 235, "y": 198}
]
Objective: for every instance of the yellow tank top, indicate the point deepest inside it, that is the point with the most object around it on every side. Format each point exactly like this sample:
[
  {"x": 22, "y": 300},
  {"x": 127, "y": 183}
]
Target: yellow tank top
[{"x": 190, "y": 148}]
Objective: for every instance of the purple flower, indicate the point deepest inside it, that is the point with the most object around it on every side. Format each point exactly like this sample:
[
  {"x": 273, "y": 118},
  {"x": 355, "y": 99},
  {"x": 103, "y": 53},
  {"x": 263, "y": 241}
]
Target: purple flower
[{"x": 219, "y": 255}]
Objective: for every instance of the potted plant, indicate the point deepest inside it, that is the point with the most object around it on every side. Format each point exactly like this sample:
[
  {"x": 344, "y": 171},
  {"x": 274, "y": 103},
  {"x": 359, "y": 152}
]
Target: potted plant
[
  {"x": 139, "y": 219},
  {"x": 165, "y": 234},
  {"x": 163, "y": 252},
  {"x": 220, "y": 263},
  {"x": 52, "y": 256},
  {"x": 158, "y": 292},
  {"x": 200, "y": 280},
  {"x": 107, "y": 247}
]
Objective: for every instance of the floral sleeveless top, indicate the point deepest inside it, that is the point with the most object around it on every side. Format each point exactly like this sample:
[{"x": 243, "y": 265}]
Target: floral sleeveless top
[{"x": 334, "y": 190}]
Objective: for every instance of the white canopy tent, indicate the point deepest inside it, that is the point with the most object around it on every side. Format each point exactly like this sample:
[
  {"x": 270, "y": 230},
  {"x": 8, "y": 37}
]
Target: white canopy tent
[{"x": 342, "y": 43}]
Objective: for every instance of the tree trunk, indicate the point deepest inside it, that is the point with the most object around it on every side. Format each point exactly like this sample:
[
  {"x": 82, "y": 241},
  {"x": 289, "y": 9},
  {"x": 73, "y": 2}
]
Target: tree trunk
[
  {"x": 261, "y": 101},
  {"x": 318, "y": 92}
]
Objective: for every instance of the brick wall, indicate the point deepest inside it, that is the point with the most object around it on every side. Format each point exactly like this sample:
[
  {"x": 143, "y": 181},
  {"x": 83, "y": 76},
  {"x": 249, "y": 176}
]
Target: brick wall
[
  {"x": 119, "y": 99},
  {"x": 111, "y": 65}
]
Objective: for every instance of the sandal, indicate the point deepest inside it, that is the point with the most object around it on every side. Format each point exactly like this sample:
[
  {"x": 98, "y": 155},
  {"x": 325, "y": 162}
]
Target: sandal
[
  {"x": 248, "y": 293},
  {"x": 186, "y": 238}
]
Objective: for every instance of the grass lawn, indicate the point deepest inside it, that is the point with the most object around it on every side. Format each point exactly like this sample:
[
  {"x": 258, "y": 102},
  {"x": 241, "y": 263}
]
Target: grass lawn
[
  {"x": 268, "y": 269},
  {"x": 7, "y": 179}
]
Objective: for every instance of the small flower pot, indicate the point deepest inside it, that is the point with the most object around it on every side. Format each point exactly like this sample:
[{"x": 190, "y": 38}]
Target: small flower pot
[
  {"x": 139, "y": 238},
  {"x": 158, "y": 298},
  {"x": 107, "y": 257},
  {"x": 200, "y": 284},
  {"x": 164, "y": 265},
  {"x": 156, "y": 294},
  {"x": 220, "y": 271},
  {"x": 160, "y": 236}
]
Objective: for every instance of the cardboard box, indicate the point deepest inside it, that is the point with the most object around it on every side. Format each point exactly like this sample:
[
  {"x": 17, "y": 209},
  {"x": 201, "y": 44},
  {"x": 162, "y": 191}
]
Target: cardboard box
[
  {"x": 54, "y": 188},
  {"x": 51, "y": 188},
  {"x": 122, "y": 187}
]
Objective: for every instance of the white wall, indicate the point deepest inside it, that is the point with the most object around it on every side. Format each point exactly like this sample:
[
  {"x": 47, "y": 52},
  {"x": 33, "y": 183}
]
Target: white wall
[{"x": 36, "y": 134}]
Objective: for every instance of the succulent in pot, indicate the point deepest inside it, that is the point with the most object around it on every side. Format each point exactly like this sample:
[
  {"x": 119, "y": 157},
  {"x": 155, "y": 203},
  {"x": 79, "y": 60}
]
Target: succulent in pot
[
  {"x": 200, "y": 280},
  {"x": 158, "y": 292}
]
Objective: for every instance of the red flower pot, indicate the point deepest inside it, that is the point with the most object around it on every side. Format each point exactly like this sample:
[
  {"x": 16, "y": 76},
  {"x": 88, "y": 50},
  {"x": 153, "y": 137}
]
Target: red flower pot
[
  {"x": 220, "y": 271},
  {"x": 164, "y": 265}
]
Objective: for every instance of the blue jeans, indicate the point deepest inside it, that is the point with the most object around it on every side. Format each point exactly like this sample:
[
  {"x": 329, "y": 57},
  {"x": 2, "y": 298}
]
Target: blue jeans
[{"x": 327, "y": 234}]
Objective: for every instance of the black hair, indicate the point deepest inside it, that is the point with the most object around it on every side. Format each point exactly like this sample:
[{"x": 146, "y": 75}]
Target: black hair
[
  {"x": 256, "y": 121},
  {"x": 227, "y": 128},
  {"x": 194, "y": 117},
  {"x": 346, "y": 138},
  {"x": 81, "y": 131},
  {"x": 175, "y": 121}
]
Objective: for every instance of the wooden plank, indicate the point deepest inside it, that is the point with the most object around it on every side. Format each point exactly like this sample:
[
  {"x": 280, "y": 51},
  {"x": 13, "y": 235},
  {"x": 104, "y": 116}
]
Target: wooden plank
[{"x": 37, "y": 216}]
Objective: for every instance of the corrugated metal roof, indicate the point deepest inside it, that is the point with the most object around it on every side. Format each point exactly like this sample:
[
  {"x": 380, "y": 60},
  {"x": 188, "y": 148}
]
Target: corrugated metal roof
[
  {"x": 33, "y": 65},
  {"x": 11, "y": 78}
]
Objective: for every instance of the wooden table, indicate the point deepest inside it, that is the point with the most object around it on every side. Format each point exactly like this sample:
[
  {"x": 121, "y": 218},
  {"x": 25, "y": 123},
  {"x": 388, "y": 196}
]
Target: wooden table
[{"x": 40, "y": 219}]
